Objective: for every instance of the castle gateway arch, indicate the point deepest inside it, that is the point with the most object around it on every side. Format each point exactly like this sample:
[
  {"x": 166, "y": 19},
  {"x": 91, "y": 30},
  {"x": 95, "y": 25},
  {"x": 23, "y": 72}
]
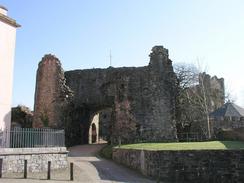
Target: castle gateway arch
[{"x": 142, "y": 99}]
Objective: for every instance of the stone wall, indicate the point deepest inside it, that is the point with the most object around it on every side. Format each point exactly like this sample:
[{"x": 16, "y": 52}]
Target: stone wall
[
  {"x": 37, "y": 159},
  {"x": 105, "y": 124},
  {"x": 205, "y": 166},
  {"x": 140, "y": 98}
]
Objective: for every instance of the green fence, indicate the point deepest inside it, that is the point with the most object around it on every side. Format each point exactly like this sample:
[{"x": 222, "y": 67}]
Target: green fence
[{"x": 34, "y": 137}]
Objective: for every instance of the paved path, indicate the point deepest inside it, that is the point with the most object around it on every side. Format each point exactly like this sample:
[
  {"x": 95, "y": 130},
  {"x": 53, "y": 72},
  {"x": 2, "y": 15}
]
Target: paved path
[
  {"x": 87, "y": 169},
  {"x": 95, "y": 169}
]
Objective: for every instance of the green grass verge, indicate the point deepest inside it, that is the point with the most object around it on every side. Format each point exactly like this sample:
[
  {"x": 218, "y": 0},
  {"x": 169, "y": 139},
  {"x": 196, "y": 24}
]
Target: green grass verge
[
  {"x": 210, "y": 145},
  {"x": 106, "y": 152}
]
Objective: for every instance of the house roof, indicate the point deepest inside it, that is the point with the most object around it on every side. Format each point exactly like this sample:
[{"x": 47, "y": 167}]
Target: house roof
[
  {"x": 8, "y": 20},
  {"x": 228, "y": 110}
]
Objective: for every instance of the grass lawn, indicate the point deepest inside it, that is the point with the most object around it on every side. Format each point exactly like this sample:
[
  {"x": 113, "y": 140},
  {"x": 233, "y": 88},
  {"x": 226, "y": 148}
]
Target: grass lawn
[{"x": 210, "y": 145}]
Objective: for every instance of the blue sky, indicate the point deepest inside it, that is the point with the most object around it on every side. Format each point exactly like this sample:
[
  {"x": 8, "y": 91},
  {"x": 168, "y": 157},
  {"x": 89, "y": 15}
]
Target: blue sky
[{"x": 81, "y": 33}]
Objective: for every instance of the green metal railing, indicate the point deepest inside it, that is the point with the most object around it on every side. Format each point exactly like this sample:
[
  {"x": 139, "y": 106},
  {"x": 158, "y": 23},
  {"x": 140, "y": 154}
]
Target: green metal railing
[{"x": 33, "y": 137}]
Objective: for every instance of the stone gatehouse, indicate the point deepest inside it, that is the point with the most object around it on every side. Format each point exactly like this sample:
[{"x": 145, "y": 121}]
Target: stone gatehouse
[{"x": 142, "y": 99}]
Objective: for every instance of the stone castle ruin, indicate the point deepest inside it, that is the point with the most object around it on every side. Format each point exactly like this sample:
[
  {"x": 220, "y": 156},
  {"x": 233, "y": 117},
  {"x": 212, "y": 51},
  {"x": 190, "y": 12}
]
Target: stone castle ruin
[
  {"x": 141, "y": 99},
  {"x": 215, "y": 90},
  {"x": 133, "y": 103}
]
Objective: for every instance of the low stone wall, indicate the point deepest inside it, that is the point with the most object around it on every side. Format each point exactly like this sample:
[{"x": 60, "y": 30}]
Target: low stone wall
[
  {"x": 205, "y": 166},
  {"x": 37, "y": 159}
]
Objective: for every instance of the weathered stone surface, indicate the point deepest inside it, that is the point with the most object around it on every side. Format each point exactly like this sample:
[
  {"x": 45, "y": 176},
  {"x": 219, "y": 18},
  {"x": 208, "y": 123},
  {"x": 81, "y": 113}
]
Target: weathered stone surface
[
  {"x": 185, "y": 166},
  {"x": 215, "y": 90},
  {"x": 37, "y": 159},
  {"x": 105, "y": 124},
  {"x": 140, "y": 98},
  {"x": 51, "y": 93}
]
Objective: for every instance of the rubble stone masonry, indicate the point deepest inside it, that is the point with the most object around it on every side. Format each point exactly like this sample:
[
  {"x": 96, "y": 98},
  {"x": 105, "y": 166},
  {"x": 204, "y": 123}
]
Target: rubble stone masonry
[
  {"x": 141, "y": 98},
  {"x": 185, "y": 166},
  {"x": 37, "y": 159}
]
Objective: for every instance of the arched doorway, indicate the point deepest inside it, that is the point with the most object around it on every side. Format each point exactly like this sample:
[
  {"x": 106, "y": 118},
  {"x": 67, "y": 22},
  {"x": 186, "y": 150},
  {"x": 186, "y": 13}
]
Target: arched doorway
[
  {"x": 94, "y": 129},
  {"x": 99, "y": 126}
]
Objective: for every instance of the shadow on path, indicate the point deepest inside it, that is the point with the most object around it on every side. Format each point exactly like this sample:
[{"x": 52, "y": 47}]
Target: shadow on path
[{"x": 96, "y": 169}]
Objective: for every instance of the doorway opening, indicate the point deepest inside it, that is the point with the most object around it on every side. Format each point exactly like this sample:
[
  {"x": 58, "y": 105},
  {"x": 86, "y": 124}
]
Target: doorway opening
[
  {"x": 94, "y": 130},
  {"x": 100, "y": 127}
]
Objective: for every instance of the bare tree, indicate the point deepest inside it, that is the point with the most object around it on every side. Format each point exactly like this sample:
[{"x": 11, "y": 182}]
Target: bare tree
[
  {"x": 205, "y": 103},
  {"x": 187, "y": 75},
  {"x": 192, "y": 100},
  {"x": 229, "y": 97}
]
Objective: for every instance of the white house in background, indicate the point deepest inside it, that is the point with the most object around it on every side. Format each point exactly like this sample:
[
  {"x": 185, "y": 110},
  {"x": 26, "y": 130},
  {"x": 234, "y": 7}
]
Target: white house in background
[{"x": 7, "y": 49}]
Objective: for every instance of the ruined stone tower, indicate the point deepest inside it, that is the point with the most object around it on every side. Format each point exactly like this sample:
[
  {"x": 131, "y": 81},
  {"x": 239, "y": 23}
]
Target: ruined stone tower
[
  {"x": 215, "y": 90},
  {"x": 50, "y": 93}
]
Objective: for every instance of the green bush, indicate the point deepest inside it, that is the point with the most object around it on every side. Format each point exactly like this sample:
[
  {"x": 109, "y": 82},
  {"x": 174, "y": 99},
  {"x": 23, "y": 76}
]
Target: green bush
[{"x": 106, "y": 152}]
